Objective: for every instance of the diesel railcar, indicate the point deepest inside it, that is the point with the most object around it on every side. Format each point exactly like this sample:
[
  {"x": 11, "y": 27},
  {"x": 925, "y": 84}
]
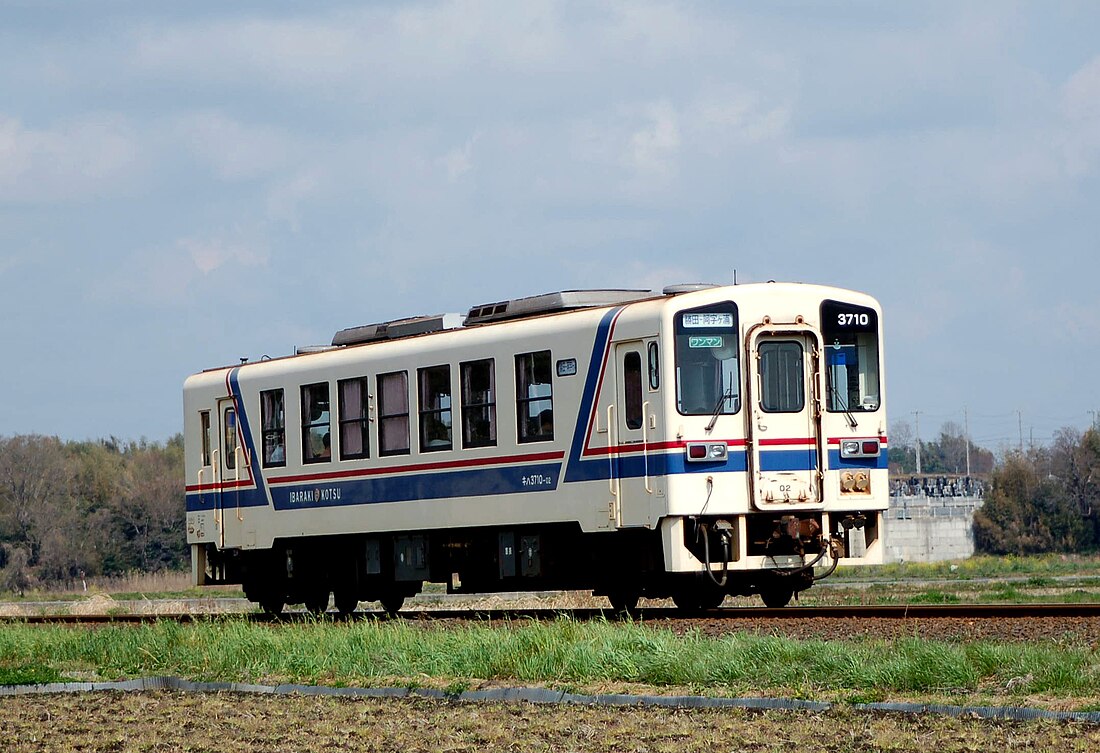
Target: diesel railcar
[{"x": 696, "y": 443}]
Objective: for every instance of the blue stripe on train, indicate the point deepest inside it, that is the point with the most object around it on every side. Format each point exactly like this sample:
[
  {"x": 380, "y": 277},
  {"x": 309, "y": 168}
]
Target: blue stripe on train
[
  {"x": 508, "y": 480},
  {"x": 479, "y": 482}
]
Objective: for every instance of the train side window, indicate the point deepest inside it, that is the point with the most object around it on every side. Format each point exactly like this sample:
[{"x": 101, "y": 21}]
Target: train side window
[
  {"x": 272, "y": 417},
  {"x": 204, "y": 431},
  {"x": 479, "y": 403},
  {"x": 316, "y": 424},
  {"x": 708, "y": 369},
  {"x": 354, "y": 418},
  {"x": 435, "y": 408},
  {"x": 393, "y": 413},
  {"x": 654, "y": 367},
  {"x": 534, "y": 397},
  {"x": 782, "y": 377},
  {"x": 850, "y": 333},
  {"x": 230, "y": 438},
  {"x": 632, "y": 386}
]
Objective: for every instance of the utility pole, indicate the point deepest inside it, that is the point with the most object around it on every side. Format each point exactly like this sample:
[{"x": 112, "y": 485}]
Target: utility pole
[
  {"x": 1020, "y": 424},
  {"x": 916, "y": 418},
  {"x": 966, "y": 438},
  {"x": 1095, "y": 420}
]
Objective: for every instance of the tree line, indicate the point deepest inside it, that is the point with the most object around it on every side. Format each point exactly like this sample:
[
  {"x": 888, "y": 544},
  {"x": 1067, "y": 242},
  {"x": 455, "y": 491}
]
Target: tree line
[
  {"x": 1044, "y": 499},
  {"x": 93, "y": 508},
  {"x": 108, "y": 507},
  {"x": 1040, "y": 499}
]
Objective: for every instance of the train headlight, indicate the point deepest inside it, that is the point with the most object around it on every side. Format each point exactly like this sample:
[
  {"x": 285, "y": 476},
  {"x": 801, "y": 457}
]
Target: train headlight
[
  {"x": 860, "y": 448},
  {"x": 706, "y": 452}
]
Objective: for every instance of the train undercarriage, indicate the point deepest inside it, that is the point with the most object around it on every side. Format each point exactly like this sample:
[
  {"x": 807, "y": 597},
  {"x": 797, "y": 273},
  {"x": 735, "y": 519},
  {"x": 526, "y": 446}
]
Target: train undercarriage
[{"x": 625, "y": 565}]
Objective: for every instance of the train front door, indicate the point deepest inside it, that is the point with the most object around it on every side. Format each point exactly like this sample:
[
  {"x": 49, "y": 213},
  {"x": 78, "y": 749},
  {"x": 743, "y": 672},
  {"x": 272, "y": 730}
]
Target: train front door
[
  {"x": 230, "y": 468},
  {"x": 633, "y": 421},
  {"x": 785, "y": 420}
]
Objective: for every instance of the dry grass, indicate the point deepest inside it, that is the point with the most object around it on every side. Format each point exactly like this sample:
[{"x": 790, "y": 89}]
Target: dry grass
[{"x": 131, "y": 722}]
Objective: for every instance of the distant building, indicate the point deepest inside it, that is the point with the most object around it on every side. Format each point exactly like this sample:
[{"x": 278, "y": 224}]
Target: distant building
[{"x": 931, "y": 518}]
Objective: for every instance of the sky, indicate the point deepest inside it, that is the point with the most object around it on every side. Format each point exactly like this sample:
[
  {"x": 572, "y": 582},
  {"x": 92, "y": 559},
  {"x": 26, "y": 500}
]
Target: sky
[{"x": 186, "y": 184}]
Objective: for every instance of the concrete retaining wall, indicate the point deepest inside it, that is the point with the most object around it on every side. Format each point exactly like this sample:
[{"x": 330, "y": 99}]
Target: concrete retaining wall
[{"x": 928, "y": 529}]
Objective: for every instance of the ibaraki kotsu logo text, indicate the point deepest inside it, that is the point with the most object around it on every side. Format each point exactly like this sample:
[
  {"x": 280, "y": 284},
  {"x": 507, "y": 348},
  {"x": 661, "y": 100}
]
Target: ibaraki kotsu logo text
[{"x": 315, "y": 496}]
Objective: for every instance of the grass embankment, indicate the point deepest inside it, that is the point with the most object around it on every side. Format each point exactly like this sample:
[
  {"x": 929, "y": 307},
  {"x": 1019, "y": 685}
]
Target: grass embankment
[
  {"x": 563, "y": 654},
  {"x": 978, "y": 566}
]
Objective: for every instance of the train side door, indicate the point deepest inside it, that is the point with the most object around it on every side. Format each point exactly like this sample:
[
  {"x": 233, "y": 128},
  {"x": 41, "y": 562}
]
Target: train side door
[
  {"x": 634, "y": 421},
  {"x": 785, "y": 417},
  {"x": 230, "y": 468}
]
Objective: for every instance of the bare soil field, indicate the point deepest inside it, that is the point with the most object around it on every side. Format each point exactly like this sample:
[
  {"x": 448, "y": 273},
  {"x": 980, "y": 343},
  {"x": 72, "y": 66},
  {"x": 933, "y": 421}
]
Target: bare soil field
[{"x": 168, "y": 721}]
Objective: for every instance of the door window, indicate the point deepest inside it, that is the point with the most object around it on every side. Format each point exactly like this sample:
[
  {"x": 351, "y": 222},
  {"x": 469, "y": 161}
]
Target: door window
[
  {"x": 230, "y": 425},
  {"x": 632, "y": 387},
  {"x": 781, "y": 376}
]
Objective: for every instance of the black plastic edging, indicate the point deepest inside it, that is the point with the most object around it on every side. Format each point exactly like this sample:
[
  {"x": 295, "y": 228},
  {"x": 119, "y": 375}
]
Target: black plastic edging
[{"x": 544, "y": 696}]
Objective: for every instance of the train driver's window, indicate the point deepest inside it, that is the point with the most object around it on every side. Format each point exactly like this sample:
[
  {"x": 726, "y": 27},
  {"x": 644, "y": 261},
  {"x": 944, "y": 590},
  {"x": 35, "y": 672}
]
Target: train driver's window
[
  {"x": 316, "y": 424},
  {"x": 850, "y": 333},
  {"x": 534, "y": 397},
  {"x": 435, "y": 408},
  {"x": 708, "y": 370},
  {"x": 479, "y": 403},
  {"x": 272, "y": 416},
  {"x": 393, "y": 413}
]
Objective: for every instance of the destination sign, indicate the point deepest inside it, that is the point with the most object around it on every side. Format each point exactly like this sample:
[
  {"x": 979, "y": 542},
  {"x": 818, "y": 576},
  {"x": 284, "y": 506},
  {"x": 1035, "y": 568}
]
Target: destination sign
[{"x": 712, "y": 319}]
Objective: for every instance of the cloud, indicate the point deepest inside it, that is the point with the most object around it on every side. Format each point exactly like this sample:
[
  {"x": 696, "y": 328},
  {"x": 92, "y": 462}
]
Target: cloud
[
  {"x": 458, "y": 162},
  {"x": 654, "y": 147},
  {"x": 232, "y": 150},
  {"x": 175, "y": 275},
  {"x": 212, "y": 254},
  {"x": 84, "y": 158},
  {"x": 1081, "y": 109}
]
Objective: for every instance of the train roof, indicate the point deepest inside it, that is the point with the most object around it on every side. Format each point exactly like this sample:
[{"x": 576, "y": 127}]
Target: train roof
[{"x": 516, "y": 309}]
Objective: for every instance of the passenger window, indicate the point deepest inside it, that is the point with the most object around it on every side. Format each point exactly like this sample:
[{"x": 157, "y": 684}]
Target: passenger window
[
  {"x": 479, "y": 403},
  {"x": 230, "y": 438},
  {"x": 204, "y": 431},
  {"x": 632, "y": 386},
  {"x": 534, "y": 397},
  {"x": 274, "y": 427},
  {"x": 781, "y": 376},
  {"x": 435, "y": 408},
  {"x": 316, "y": 424},
  {"x": 354, "y": 418},
  {"x": 393, "y": 413},
  {"x": 708, "y": 371}
]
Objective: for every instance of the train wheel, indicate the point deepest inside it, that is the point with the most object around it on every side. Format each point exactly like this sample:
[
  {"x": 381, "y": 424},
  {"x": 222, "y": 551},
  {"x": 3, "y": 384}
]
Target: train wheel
[
  {"x": 624, "y": 602},
  {"x": 776, "y": 597},
  {"x": 392, "y": 603},
  {"x": 317, "y": 602},
  {"x": 346, "y": 601},
  {"x": 272, "y": 605},
  {"x": 691, "y": 599}
]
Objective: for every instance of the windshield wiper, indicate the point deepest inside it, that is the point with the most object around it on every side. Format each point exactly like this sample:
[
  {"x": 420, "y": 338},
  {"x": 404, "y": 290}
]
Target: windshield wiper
[
  {"x": 843, "y": 407},
  {"x": 728, "y": 395}
]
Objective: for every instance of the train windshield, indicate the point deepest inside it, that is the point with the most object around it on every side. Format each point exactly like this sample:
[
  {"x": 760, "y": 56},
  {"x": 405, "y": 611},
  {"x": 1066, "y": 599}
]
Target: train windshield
[
  {"x": 851, "y": 357},
  {"x": 708, "y": 370}
]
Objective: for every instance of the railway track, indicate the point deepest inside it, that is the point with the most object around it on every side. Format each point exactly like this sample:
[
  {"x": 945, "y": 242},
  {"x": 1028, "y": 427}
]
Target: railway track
[{"x": 652, "y": 614}]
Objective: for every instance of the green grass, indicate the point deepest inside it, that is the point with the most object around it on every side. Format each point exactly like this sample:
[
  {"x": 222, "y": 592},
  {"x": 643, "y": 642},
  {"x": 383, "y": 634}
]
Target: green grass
[
  {"x": 559, "y": 653},
  {"x": 978, "y": 566}
]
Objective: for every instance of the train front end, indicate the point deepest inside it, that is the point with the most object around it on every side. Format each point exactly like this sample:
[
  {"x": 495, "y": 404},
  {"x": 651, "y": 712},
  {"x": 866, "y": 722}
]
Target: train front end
[{"x": 782, "y": 422}]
